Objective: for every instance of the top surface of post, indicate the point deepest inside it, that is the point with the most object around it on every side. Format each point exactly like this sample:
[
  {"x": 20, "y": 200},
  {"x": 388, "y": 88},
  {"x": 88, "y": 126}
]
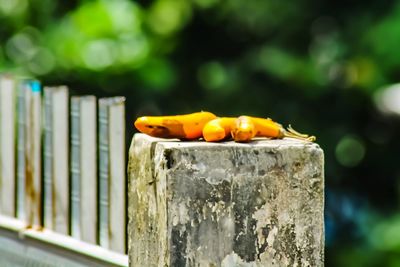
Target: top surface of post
[
  {"x": 256, "y": 143},
  {"x": 195, "y": 203}
]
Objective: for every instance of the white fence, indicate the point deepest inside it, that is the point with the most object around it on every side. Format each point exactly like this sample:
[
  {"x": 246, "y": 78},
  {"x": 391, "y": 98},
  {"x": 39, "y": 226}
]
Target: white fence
[{"x": 62, "y": 162}]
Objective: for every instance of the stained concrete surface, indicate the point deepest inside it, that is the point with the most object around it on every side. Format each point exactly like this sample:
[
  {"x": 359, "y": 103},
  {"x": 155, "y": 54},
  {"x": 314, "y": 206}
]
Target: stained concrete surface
[{"x": 225, "y": 204}]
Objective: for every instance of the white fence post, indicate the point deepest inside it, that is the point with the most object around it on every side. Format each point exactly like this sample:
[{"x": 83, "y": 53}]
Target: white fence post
[
  {"x": 7, "y": 145},
  {"x": 34, "y": 186},
  {"x": 112, "y": 173},
  {"x": 84, "y": 168},
  {"x": 29, "y": 153},
  {"x": 48, "y": 174},
  {"x": 117, "y": 175},
  {"x": 21, "y": 164},
  {"x": 56, "y": 172}
]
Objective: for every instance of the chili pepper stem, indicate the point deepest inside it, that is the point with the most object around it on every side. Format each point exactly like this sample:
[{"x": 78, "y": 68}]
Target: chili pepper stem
[{"x": 290, "y": 132}]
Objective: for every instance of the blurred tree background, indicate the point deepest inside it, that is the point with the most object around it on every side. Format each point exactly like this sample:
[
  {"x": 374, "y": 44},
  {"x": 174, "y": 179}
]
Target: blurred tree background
[{"x": 331, "y": 68}]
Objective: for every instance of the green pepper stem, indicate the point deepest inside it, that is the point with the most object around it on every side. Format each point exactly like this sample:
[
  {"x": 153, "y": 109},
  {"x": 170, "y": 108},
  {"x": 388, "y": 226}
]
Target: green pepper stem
[{"x": 290, "y": 132}]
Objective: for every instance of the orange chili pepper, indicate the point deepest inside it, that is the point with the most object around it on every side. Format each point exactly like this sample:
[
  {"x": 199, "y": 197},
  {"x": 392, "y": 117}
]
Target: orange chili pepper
[
  {"x": 268, "y": 128},
  {"x": 188, "y": 126},
  {"x": 244, "y": 129},
  {"x": 218, "y": 129},
  {"x": 271, "y": 129}
]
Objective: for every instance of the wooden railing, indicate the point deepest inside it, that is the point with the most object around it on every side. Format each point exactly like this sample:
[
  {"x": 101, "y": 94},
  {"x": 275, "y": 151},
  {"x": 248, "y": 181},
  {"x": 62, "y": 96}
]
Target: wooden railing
[{"x": 62, "y": 163}]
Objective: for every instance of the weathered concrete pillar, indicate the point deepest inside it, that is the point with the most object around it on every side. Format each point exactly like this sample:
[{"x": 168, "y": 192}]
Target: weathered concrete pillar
[{"x": 225, "y": 204}]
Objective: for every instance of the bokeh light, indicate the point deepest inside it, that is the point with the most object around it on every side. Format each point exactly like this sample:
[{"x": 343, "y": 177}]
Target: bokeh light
[
  {"x": 388, "y": 99},
  {"x": 212, "y": 76},
  {"x": 13, "y": 7},
  {"x": 168, "y": 16},
  {"x": 350, "y": 151}
]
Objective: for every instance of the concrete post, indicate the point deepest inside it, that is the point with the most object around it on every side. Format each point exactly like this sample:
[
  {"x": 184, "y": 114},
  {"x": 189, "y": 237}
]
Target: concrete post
[{"x": 225, "y": 204}]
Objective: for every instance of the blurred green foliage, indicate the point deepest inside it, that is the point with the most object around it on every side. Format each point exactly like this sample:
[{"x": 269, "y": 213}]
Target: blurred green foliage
[{"x": 331, "y": 68}]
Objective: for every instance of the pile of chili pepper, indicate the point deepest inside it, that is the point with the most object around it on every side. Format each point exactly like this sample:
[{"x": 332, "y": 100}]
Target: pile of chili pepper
[{"x": 211, "y": 128}]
